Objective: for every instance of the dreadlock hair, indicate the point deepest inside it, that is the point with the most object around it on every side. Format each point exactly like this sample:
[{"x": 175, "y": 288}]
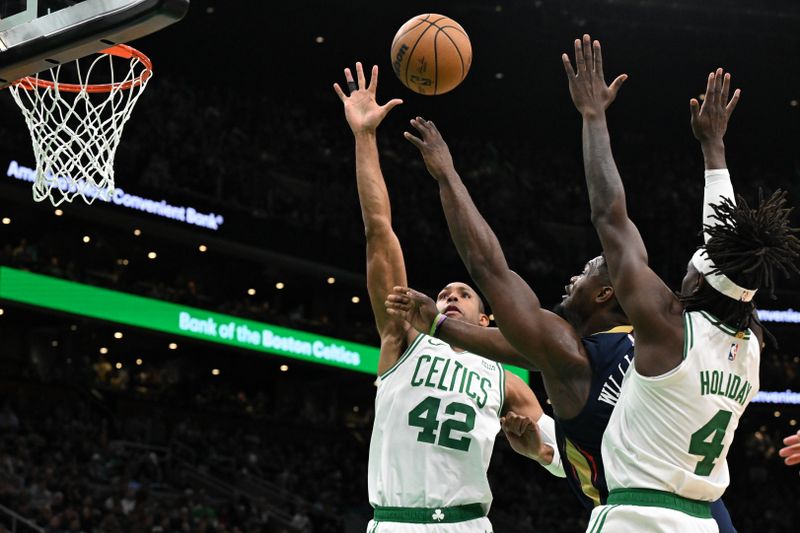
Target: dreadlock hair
[{"x": 747, "y": 245}]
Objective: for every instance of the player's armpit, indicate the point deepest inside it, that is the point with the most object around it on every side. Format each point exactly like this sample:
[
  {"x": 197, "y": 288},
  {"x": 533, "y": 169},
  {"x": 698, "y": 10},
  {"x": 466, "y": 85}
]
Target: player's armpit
[{"x": 394, "y": 341}]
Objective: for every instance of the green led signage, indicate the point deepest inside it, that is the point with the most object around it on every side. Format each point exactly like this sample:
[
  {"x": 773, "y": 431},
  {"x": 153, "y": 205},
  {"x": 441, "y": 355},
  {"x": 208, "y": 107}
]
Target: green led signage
[{"x": 132, "y": 310}]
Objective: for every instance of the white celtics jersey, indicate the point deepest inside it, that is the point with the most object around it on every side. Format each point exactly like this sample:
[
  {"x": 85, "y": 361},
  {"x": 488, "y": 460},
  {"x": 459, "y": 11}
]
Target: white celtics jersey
[
  {"x": 436, "y": 418},
  {"x": 672, "y": 433}
]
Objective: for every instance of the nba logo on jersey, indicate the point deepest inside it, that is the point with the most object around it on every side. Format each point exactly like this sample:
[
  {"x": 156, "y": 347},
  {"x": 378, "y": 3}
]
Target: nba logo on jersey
[{"x": 733, "y": 352}]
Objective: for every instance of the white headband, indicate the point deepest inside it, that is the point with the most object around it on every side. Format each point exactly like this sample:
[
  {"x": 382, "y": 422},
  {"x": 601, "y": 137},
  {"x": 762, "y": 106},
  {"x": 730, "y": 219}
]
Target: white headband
[{"x": 720, "y": 281}]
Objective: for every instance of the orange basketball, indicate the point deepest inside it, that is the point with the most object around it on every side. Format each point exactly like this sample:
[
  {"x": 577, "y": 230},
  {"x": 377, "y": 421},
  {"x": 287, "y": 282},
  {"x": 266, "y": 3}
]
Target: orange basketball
[{"x": 431, "y": 54}]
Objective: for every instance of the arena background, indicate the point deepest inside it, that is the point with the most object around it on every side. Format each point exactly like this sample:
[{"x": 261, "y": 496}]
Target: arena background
[{"x": 139, "y": 433}]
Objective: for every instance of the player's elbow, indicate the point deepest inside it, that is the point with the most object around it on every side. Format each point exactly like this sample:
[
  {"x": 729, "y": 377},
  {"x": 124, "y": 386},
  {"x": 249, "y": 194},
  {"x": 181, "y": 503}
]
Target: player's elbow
[
  {"x": 611, "y": 213},
  {"x": 378, "y": 228},
  {"x": 606, "y": 217}
]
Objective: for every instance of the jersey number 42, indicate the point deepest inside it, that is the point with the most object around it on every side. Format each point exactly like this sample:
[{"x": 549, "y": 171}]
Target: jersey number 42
[{"x": 426, "y": 416}]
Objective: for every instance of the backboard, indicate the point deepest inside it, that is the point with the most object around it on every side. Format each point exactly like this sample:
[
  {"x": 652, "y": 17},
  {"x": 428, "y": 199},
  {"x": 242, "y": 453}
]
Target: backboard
[{"x": 38, "y": 34}]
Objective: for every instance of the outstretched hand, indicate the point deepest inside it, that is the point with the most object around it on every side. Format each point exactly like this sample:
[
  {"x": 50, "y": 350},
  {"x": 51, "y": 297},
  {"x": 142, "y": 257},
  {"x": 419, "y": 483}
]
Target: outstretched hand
[
  {"x": 791, "y": 451},
  {"x": 523, "y": 434},
  {"x": 710, "y": 121},
  {"x": 587, "y": 84},
  {"x": 414, "y": 307},
  {"x": 361, "y": 108},
  {"x": 434, "y": 150}
]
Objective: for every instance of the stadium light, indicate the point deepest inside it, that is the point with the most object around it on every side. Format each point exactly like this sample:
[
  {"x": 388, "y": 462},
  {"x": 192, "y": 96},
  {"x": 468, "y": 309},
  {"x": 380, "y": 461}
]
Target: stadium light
[
  {"x": 355, "y": 299},
  {"x": 284, "y": 368},
  {"x": 202, "y": 248},
  {"x": 86, "y": 239},
  {"x": 173, "y": 346},
  {"x": 58, "y": 212},
  {"x": 6, "y": 221},
  {"x": 139, "y": 361},
  {"x": 103, "y": 350},
  {"x": 331, "y": 280},
  {"x": 279, "y": 285},
  {"x": 152, "y": 255},
  {"x": 137, "y": 232},
  {"x": 117, "y": 334}
]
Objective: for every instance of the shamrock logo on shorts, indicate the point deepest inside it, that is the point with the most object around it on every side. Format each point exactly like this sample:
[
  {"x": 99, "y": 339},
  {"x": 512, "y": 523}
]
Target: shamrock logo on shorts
[{"x": 438, "y": 515}]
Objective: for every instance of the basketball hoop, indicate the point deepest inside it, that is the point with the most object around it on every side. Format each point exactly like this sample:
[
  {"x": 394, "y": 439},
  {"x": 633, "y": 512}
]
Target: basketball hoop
[{"x": 76, "y": 127}]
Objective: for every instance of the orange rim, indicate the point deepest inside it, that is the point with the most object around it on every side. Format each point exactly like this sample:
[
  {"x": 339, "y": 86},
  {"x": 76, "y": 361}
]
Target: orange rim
[{"x": 124, "y": 51}]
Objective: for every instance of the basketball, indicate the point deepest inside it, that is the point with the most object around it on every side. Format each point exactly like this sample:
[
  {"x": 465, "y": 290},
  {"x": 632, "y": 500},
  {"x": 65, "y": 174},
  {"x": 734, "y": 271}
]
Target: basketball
[{"x": 431, "y": 54}]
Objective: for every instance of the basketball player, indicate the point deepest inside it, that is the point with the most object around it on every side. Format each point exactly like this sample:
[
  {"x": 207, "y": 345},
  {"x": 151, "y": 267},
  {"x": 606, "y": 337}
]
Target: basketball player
[
  {"x": 791, "y": 449},
  {"x": 583, "y": 359},
  {"x": 438, "y": 408},
  {"x": 697, "y": 353}
]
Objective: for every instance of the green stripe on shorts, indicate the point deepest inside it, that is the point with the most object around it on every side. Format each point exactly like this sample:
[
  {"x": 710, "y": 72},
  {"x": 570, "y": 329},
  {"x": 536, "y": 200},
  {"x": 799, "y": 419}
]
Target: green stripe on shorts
[
  {"x": 658, "y": 498},
  {"x": 420, "y": 515},
  {"x": 601, "y": 519}
]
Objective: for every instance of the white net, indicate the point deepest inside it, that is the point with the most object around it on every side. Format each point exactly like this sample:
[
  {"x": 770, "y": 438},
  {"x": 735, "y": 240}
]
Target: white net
[{"x": 76, "y": 126}]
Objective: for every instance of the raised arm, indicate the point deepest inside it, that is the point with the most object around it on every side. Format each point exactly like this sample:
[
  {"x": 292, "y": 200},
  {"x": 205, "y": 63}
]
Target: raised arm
[
  {"x": 546, "y": 340},
  {"x": 709, "y": 124},
  {"x": 385, "y": 264},
  {"x": 651, "y": 306}
]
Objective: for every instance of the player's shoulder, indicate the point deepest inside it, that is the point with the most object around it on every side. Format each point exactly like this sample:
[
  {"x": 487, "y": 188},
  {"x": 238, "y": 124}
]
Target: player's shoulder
[
  {"x": 601, "y": 340},
  {"x": 607, "y": 347}
]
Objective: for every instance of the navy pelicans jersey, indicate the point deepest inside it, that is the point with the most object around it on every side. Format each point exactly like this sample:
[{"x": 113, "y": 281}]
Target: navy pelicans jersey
[{"x": 579, "y": 439}]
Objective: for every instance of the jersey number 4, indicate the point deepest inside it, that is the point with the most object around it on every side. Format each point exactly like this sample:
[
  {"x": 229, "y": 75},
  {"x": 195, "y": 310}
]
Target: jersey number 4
[
  {"x": 425, "y": 416},
  {"x": 709, "y": 449}
]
